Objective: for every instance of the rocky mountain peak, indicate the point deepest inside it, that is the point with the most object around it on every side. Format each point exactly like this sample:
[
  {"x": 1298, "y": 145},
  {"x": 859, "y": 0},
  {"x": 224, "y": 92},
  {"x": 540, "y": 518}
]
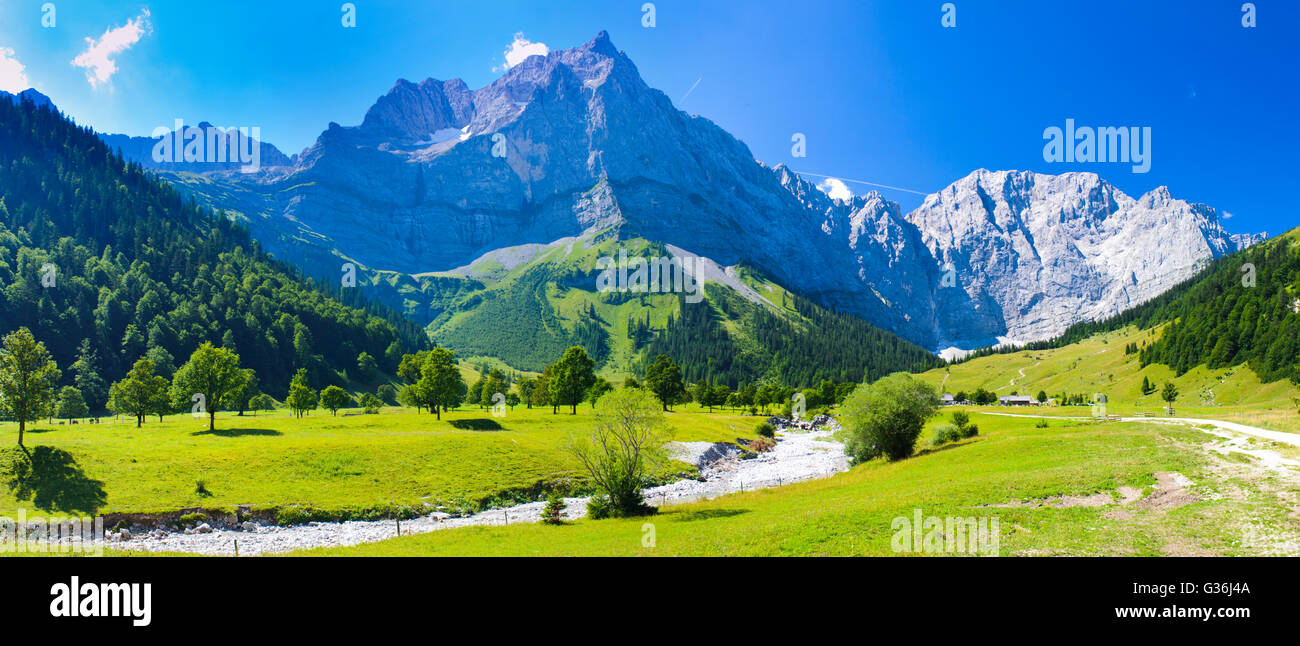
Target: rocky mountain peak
[
  {"x": 410, "y": 113},
  {"x": 1156, "y": 198},
  {"x": 998, "y": 255}
]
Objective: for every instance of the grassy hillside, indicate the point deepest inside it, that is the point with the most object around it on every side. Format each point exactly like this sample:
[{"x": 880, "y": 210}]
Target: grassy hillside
[
  {"x": 338, "y": 465},
  {"x": 1013, "y": 471},
  {"x": 1099, "y": 364}
]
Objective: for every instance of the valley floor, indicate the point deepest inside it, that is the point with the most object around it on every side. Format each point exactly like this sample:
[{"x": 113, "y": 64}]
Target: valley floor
[
  {"x": 1073, "y": 488},
  {"x": 1048, "y": 481}
]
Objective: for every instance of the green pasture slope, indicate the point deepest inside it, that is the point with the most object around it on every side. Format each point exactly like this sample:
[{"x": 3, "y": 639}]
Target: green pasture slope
[
  {"x": 340, "y": 465},
  {"x": 1098, "y": 364},
  {"x": 1013, "y": 462}
]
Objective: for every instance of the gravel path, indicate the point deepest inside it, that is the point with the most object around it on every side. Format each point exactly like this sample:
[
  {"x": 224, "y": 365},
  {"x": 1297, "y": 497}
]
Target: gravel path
[{"x": 798, "y": 455}]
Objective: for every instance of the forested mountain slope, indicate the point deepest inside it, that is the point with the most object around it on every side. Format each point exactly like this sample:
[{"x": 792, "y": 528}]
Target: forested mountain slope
[
  {"x": 106, "y": 264},
  {"x": 1243, "y": 308}
]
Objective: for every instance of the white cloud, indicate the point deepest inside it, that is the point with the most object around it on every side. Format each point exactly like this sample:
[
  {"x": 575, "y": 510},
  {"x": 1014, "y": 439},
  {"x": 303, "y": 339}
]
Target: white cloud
[
  {"x": 12, "y": 78},
  {"x": 1227, "y": 216},
  {"x": 96, "y": 59},
  {"x": 835, "y": 189},
  {"x": 520, "y": 49}
]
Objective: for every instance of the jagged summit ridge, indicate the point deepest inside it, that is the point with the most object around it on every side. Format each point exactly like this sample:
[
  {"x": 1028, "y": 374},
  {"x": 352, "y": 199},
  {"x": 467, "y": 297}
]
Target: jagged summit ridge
[{"x": 437, "y": 175}]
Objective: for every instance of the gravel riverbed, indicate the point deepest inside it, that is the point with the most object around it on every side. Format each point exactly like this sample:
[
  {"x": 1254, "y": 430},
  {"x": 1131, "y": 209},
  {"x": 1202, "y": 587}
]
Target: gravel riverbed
[{"x": 798, "y": 455}]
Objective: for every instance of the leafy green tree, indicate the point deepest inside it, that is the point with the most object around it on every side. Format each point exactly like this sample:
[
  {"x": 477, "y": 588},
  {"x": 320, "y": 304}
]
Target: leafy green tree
[
  {"x": 367, "y": 367},
  {"x": 572, "y": 375},
  {"x": 526, "y": 387},
  {"x": 598, "y": 388},
  {"x": 886, "y": 417},
  {"x": 139, "y": 393},
  {"x": 386, "y": 394},
  {"x": 86, "y": 376},
  {"x": 720, "y": 395},
  {"x": 542, "y": 390},
  {"x": 71, "y": 405},
  {"x": 302, "y": 344},
  {"x": 301, "y": 397},
  {"x": 27, "y": 378},
  {"x": 702, "y": 392},
  {"x": 512, "y": 400},
  {"x": 212, "y": 372},
  {"x": 631, "y": 382},
  {"x": 664, "y": 379},
  {"x": 370, "y": 403},
  {"x": 440, "y": 385},
  {"x": 825, "y": 393},
  {"x": 747, "y": 396},
  {"x": 407, "y": 397},
  {"x": 1042, "y": 396},
  {"x": 843, "y": 390},
  {"x": 1169, "y": 394},
  {"x": 163, "y": 361},
  {"x": 133, "y": 342},
  {"x": 493, "y": 384},
  {"x": 474, "y": 396},
  {"x": 238, "y": 399},
  {"x": 409, "y": 367},
  {"x": 769, "y": 393},
  {"x": 625, "y": 446},
  {"x": 333, "y": 398}
]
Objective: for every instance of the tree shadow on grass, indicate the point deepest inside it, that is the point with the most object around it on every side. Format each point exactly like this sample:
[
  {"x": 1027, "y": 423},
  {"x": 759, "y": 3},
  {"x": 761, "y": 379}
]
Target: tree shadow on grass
[
  {"x": 238, "y": 432},
  {"x": 965, "y": 441},
  {"x": 707, "y": 514},
  {"x": 51, "y": 479},
  {"x": 476, "y": 424}
]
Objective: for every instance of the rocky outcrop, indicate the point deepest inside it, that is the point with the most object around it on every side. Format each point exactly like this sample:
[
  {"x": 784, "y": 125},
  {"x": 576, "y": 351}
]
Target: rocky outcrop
[{"x": 1031, "y": 254}]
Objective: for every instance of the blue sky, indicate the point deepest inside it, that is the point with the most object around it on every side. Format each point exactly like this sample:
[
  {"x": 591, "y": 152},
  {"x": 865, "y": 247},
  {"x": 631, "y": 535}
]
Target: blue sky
[{"x": 883, "y": 92}]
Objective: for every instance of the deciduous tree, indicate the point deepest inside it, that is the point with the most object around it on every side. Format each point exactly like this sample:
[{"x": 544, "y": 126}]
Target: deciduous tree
[
  {"x": 213, "y": 373},
  {"x": 27, "y": 378}
]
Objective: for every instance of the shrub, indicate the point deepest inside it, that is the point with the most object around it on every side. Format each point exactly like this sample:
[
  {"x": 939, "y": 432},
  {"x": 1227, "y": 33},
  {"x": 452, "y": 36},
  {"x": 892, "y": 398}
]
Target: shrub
[
  {"x": 201, "y": 488},
  {"x": 1042, "y": 423},
  {"x": 762, "y": 444},
  {"x": 626, "y": 445},
  {"x": 371, "y": 404},
  {"x": 765, "y": 430},
  {"x": 945, "y": 433},
  {"x": 886, "y": 417},
  {"x": 600, "y": 507},
  {"x": 964, "y": 427}
]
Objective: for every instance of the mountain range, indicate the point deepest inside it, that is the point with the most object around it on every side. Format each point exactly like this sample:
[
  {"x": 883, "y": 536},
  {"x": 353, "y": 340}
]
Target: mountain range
[{"x": 439, "y": 179}]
